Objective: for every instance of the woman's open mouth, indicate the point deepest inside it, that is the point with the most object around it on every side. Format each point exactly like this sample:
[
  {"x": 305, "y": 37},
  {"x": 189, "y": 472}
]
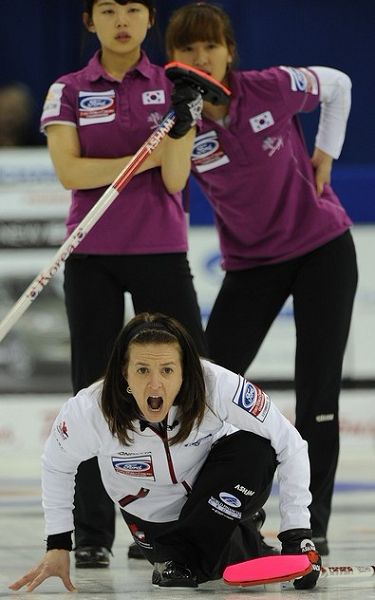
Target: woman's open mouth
[{"x": 154, "y": 403}]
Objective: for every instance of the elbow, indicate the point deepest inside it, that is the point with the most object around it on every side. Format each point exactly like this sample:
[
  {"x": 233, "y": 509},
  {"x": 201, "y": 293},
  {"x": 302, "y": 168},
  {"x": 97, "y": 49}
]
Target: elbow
[
  {"x": 66, "y": 181},
  {"x": 67, "y": 186},
  {"x": 344, "y": 81},
  {"x": 174, "y": 187}
]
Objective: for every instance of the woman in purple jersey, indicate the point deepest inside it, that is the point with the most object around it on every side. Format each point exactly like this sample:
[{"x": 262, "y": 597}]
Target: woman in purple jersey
[
  {"x": 95, "y": 120},
  {"x": 283, "y": 231}
]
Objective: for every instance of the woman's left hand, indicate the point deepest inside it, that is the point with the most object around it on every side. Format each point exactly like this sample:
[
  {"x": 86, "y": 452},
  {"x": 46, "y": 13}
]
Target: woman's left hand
[
  {"x": 56, "y": 563},
  {"x": 322, "y": 164}
]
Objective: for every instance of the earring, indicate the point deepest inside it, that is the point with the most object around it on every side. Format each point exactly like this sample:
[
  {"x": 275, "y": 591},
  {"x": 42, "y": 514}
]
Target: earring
[{"x": 129, "y": 390}]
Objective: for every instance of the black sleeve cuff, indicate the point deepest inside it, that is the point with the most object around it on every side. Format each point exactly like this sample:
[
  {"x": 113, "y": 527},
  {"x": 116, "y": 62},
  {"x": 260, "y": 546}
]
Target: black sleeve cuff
[{"x": 60, "y": 541}]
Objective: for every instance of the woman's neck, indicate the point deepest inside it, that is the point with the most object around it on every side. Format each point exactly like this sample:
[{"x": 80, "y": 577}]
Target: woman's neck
[
  {"x": 118, "y": 65},
  {"x": 215, "y": 112}
]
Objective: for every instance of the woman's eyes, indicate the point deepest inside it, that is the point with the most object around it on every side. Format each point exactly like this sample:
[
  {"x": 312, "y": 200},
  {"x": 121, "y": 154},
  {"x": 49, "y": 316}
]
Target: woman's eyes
[
  {"x": 110, "y": 11},
  {"x": 208, "y": 46},
  {"x": 145, "y": 370}
]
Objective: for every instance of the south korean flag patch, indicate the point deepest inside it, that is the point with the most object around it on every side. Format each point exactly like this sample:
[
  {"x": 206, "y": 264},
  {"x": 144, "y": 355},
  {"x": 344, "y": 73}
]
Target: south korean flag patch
[
  {"x": 253, "y": 400},
  {"x": 153, "y": 97},
  {"x": 262, "y": 121}
]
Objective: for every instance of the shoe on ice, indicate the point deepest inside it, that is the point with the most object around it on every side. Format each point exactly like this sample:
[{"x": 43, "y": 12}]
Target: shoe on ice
[
  {"x": 92, "y": 557},
  {"x": 172, "y": 574},
  {"x": 265, "y": 549},
  {"x": 321, "y": 545},
  {"x": 134, "y": 551}
]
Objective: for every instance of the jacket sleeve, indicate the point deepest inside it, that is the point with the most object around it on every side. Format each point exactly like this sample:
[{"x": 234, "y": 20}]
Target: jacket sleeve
[
  {"x": 335, "y": 98},
  {"x": 73, "y": 439},
  {"x": 247, "y": 407}
]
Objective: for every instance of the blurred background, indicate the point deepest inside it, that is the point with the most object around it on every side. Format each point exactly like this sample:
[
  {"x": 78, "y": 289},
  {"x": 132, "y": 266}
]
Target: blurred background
[{"x": 43, "y": 39}]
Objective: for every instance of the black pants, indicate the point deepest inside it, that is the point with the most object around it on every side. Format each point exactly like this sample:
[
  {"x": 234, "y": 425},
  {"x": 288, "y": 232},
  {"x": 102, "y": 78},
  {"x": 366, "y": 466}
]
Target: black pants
[
  {"x": 94, "y": 296},
  {"x": 323, "y": 285},
  {"x": 215, "y": 527}
]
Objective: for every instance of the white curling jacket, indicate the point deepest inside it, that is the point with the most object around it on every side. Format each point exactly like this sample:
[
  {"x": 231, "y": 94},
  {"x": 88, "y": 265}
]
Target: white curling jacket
[{"x": 151, "y": 479}]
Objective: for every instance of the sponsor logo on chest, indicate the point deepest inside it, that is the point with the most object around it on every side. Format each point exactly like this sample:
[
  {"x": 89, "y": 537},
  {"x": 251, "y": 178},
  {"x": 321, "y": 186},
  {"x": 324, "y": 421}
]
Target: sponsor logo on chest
[
  {"x": 140, "y": 466},
  {"x": 96, "y": 107},
  {"x": 208, "y": 153}
]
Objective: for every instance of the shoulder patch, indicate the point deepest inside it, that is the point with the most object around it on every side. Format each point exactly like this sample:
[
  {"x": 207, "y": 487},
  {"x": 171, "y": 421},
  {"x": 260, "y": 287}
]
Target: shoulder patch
[
  {"x": 52, "y": 103},
  {"x": 253, "y": 400},
  {"x": 302, "y": 80}
]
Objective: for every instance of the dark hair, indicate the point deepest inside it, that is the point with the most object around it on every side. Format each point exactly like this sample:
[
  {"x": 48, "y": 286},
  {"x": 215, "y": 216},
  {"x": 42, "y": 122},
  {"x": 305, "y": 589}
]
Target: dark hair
[
  {"x": 88, "y": 5},
  {"x": 119, "y": 407},
  {"x": 199, "y": 22},
  {"x": 90, "y": 45}
]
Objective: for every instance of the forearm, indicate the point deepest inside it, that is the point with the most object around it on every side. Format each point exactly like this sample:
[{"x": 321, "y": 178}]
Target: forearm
[
  {"x": 294, "y": 495},
  {"x": 58, "y": 484},
  {"x": 335, "y": 96},
  {"x": 322, "y": 163},
  {"x": 176, "y": 161},
  {"x": 88, "y": 173}
]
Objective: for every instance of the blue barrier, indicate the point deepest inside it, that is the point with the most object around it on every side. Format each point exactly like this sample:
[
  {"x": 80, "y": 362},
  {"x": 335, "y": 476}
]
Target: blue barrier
[{"x": 354, "y": 184}]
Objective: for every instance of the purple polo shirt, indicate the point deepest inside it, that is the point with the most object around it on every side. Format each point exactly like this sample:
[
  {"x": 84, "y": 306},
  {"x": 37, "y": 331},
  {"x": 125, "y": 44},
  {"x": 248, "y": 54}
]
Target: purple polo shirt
[
  {"x": 257, "y": 172},
  {"x": 114, "y": 118}
]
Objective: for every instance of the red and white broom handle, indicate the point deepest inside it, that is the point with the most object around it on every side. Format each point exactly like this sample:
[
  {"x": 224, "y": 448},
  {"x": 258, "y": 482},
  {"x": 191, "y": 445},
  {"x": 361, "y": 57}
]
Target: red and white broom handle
[
  {"x": 111, "y": 193},
  {"x": 347, "y": 571}
]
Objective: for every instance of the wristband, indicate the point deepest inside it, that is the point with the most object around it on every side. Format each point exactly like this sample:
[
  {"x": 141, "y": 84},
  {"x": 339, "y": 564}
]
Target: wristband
[{"x": 60, "y": 541}]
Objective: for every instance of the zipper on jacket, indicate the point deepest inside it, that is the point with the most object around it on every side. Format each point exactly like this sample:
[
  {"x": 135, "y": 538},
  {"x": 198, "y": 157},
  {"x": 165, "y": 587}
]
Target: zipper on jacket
[{"x": 162, "y": 432}]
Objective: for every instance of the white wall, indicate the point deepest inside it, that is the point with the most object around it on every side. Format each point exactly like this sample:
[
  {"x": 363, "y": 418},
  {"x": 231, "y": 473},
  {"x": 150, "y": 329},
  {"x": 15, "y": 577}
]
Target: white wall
[
  {"x": 33, "y": 206},
  {"x": 276, "y": 357}
]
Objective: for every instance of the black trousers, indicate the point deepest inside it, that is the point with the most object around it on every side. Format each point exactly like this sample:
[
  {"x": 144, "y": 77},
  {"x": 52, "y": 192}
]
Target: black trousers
[
  {"x": 214, "y": 528},
  {"x": 94, "y": 296},
  {"x": 322, "y": 284}
]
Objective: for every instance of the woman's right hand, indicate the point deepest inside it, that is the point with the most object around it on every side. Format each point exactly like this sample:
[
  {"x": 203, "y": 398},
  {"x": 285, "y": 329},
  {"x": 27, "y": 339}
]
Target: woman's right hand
[{"x": 56, "y": 563}]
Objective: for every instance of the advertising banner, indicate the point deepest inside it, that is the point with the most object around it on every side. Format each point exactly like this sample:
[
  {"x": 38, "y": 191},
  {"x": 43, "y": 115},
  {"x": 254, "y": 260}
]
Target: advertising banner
[{"x": 35, "y": 354}]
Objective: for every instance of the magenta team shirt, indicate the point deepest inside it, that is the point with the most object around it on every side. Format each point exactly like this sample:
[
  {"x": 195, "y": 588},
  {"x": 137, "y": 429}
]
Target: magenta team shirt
[
  {"x": 114, "y": 119},
  {"x": 258, "y": 176}
]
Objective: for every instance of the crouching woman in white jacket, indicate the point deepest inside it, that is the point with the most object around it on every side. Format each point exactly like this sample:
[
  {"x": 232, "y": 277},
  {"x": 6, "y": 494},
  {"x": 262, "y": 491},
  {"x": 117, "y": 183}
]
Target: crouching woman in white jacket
[{"x": 187, "y": 450}]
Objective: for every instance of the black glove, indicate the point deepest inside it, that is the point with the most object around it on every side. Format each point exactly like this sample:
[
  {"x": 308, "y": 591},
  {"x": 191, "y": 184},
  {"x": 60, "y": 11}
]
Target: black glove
[
  {"x": 187, "y": 104},
  {"x": 298, "y": 541}
]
